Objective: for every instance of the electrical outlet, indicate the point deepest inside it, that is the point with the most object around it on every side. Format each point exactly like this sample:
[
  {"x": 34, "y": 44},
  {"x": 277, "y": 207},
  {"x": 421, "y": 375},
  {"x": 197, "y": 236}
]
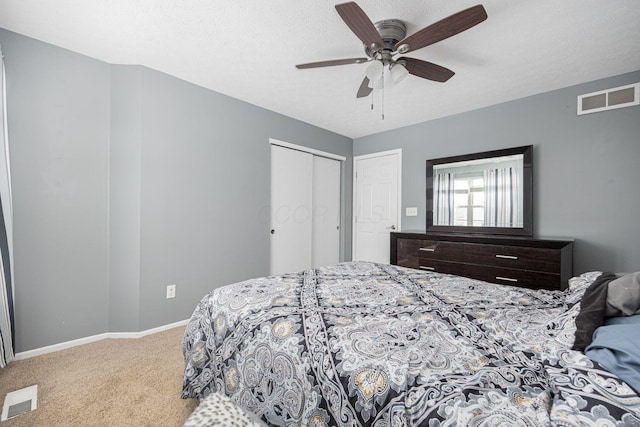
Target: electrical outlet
[{"x": 171, "y": 291}]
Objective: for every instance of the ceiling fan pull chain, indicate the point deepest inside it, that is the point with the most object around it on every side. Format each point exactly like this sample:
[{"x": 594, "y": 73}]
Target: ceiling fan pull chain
[{"x": 383, "y": 93}]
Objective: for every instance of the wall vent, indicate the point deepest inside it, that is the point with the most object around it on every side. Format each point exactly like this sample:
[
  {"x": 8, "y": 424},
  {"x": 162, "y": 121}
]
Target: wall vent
[{"x": 617, "y": 97}]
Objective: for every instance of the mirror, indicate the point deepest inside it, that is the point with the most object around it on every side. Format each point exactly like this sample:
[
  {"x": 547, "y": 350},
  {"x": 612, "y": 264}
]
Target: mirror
[{"x": 488, "y": 193}]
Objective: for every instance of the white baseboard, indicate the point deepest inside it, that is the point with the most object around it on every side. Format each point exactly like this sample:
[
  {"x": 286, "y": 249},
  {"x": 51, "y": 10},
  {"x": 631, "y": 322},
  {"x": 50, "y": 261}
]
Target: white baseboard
[{"x": 94, "y": 338}]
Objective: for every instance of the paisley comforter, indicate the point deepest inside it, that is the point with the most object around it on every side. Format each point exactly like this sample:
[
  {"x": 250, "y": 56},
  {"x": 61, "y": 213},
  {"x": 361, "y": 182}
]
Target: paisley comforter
[{"x": 362, "y": 344}]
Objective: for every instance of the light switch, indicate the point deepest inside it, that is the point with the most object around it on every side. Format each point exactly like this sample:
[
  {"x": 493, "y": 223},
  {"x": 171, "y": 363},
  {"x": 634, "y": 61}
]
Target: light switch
[{"x": 412, "y": 211}]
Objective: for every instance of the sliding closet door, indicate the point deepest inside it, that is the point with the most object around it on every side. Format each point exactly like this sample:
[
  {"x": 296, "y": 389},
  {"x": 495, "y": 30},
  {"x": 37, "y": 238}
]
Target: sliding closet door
[
  {"x": 291, "y": 210},
  {"x": 326, "y": 212}
]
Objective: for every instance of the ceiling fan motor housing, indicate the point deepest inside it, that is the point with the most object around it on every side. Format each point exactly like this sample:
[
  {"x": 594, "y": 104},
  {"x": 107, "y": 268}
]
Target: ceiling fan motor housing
[{"x": 391, "y": 31}]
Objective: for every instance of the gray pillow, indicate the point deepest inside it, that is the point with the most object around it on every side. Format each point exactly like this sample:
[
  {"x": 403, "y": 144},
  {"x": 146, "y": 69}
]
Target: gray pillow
[{"x": 623, "y": 296}]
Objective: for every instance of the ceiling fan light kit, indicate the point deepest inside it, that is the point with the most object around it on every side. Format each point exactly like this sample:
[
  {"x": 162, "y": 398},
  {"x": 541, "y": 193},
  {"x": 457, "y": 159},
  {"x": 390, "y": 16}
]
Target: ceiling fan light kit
[
  {"x": 387, "y": 38},
  {"x": 374, "y": 69},
  {"x": 398, "y": 72}
]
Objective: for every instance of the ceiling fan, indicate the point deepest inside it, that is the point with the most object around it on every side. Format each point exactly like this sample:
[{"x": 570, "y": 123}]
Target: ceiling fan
[{"x": 386, "y": 39}]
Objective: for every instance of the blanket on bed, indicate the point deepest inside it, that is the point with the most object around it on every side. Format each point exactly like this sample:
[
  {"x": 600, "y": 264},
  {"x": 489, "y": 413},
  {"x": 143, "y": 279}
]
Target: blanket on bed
[{"x": 377, "y": 345}]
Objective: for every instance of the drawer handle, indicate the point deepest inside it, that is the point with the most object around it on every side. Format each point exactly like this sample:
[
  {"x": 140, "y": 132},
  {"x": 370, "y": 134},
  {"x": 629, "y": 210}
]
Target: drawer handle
[
  {"x": 508, "y": 279},
  {"x": 428, "y": 249},
  {"x": 422, "y": 267},
  {"x": 506, "y": 256}
]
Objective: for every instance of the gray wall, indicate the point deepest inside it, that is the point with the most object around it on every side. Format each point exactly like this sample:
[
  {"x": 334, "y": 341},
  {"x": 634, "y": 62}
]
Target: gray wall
[
  {"x": 586, "y": 168},
  {"x": 125, "y": 154},
  {"x": 58, "y": 122},
  {"x": 205, "y": 191},
  {"x": 125, "y": 180}
]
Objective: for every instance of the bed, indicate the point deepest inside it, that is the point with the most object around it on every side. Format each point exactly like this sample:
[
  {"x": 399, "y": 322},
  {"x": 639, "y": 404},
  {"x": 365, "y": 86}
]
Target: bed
[{"x": 364, "y": 344}]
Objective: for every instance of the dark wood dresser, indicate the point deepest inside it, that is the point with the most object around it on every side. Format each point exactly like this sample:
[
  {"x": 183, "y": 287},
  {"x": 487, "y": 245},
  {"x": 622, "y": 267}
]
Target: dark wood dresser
[{"x": 516, "y": 261}]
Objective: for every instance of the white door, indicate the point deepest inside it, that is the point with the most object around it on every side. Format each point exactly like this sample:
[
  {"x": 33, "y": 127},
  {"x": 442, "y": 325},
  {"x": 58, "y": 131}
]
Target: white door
[
  {"x": 376, "y": 204},
  {"x": 291, "y": 210},
  {"x": 326, "y": 212}
]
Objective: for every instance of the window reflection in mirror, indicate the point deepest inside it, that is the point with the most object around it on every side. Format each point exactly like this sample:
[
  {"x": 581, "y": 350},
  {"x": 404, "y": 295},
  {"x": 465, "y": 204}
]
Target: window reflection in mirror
[
  {"x": 480, "y": 193},
  {"x": 469, "y": 199}
]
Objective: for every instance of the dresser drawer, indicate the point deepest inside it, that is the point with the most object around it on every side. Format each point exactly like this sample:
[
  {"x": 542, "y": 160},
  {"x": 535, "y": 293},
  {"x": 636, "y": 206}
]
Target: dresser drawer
[
  {"x": 407, "y": 253},
  {"x": 440, "y": 266},
  {"x": 508, "y": 276},
  {"x": 433, "y": 249},
  {"x": 533, "y": 259}
]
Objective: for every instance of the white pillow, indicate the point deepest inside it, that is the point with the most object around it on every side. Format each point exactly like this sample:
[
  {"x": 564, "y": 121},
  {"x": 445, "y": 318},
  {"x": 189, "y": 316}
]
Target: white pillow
[{"x": 623, "y": 296}]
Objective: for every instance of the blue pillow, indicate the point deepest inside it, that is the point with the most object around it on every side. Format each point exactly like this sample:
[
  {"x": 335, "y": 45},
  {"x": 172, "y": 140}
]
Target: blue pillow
[{"x": 616, "y": 346}]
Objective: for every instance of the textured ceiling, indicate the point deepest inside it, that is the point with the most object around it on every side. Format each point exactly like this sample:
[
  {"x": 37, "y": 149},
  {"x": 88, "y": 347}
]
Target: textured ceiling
[{"x": 247, "y": 49}]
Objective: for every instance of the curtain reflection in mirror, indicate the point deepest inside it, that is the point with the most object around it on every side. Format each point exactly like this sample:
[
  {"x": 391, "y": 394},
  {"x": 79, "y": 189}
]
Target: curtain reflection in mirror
[
  {"x": 443, "y": 198},
  {"x": 503, "y": 192}
]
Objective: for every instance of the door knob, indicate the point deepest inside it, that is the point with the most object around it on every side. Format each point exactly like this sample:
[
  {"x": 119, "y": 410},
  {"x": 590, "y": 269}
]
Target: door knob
[
  {"x": 393, "y": 227},
  {"x": 273, "y": 231}
]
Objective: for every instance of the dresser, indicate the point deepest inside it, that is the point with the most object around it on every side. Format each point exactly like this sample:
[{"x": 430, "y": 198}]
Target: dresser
[{"x": 516, "y": 261}]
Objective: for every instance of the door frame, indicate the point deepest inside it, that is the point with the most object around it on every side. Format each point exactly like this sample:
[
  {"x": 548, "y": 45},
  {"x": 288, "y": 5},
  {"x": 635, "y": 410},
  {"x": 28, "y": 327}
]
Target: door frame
[
  {"x": 313, "y": 151},
  {"x": 397, "y": 152}
]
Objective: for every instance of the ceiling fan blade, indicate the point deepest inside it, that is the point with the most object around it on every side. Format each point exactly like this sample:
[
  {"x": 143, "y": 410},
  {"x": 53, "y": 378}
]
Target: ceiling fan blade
[
  {"x": 426, "y": 70},
  {"x": 359, "y": 23},
  {"x": 364, "y": 90},
  {"x": 445, "y": 28},
  {"x": 333, "y": 62}
]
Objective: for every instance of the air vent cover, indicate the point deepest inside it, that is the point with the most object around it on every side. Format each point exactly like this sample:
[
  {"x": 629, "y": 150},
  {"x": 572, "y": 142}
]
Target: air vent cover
[
  {"x": 617, "y": 97},
  {"x": 19, "y": 402}
]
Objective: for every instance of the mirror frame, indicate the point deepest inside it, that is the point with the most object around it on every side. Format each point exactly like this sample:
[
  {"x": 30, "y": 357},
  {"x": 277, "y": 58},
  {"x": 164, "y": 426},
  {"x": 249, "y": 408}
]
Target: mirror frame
[{"x": 527, "y": 202}]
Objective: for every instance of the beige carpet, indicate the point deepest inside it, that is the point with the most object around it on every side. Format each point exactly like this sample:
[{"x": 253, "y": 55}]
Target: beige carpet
[{"x": 113, "y": 382}]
